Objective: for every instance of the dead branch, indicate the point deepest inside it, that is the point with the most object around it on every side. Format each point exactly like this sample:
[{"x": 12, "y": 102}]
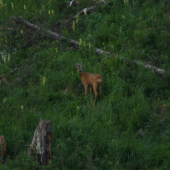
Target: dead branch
[
  {"x": 73, "y": 3},
  {"x": 22, "y": 34},
  {"x": 5, "y": 28},
  {"x": 46, "y": 24},
  {"x": 54, "y": 34},
  {"x": 98, "y": 51},
  {"x": 31, "y": 39},
  {"x": 104, "y": 2},
  {"x": 18, "y": 69},
  {"x": 15, "y": 81},
  {"x": 85, "y": 11},
  {"x": 90, "y": 9},
  {"x": 151, "y": 68}
]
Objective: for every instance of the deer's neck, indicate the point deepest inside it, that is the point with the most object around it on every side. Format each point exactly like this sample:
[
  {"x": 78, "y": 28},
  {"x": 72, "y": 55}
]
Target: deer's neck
[{"x": 81, "y": 74}]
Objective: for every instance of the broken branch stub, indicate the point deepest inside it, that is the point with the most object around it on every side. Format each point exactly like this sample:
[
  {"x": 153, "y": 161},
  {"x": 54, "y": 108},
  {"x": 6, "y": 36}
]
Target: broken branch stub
[
  {"x": 41, "y": 142},
  {"x": 3, "y": 151}
]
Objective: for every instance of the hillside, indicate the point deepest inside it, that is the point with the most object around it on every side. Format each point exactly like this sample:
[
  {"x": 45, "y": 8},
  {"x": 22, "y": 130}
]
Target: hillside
[{"x": 127, "y": 42}]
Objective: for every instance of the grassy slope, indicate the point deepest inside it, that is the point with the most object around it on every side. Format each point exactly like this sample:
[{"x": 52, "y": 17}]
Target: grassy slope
[{"x": 128, "y": 129}]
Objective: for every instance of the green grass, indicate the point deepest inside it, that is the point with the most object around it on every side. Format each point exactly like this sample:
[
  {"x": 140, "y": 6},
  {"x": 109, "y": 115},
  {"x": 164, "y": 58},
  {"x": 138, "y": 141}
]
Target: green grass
[{"x": 129, "y": 128}]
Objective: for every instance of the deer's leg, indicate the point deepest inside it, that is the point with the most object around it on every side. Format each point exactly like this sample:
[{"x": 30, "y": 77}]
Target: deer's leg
[
  {"x": 100, "y": 88},
  {"x": 95, "y": 91},
  {"x": 85, "y": 87},
  {"x": 90, "y": 89}
]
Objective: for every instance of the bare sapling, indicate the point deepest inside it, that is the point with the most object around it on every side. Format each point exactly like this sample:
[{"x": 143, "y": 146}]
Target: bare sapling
[{"x": 94, "y": 80}]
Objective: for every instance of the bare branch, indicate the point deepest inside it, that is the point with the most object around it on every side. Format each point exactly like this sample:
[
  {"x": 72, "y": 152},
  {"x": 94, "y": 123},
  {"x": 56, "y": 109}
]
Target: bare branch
[
  {"x": 73, "y": 2},
  {"x": 85, "y": 11},
  {"x": 5, "y": 28}
]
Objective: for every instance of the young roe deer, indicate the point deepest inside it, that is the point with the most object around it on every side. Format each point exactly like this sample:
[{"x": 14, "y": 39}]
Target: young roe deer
[{"x": 90, "y": 79}]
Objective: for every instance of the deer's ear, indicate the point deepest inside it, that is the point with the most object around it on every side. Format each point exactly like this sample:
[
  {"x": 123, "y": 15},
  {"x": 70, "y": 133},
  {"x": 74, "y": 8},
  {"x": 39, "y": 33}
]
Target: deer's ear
[
  {"x": 75, "y": 64},
  {"x": 81, "y": 62}
]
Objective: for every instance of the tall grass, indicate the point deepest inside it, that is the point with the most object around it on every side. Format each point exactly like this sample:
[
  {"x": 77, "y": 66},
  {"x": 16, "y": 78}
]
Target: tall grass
[{"x": 129, "y": 128}]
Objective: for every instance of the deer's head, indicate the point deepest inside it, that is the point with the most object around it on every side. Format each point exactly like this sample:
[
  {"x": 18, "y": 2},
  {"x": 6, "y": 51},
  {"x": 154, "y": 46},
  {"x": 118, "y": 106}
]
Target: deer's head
[{"x": 79, "y": 66}]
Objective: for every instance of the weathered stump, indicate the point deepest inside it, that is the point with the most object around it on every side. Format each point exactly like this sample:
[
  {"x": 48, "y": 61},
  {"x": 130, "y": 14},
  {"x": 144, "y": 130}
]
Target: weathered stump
[
  {"x": 3, "y": 152},
  {"x": 41, "y": 142}
]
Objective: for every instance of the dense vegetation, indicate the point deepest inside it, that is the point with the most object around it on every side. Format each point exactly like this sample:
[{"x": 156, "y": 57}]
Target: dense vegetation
[{"x": 129, "y": 128}]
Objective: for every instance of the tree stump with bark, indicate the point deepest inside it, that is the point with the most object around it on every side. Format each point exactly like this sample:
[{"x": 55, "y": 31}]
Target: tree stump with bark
[
  {"x": 3, "y": 152},
  {"x": 41, "y": 142}
]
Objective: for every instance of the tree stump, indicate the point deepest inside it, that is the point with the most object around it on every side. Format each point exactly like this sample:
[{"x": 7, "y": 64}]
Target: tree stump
[
  {"x": 41, "y": 142},
  {"x": 3, "y": 152}
]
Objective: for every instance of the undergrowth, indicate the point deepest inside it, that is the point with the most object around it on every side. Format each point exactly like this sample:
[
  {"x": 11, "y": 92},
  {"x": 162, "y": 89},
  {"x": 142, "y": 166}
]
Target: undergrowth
[{"x": 129, "y": 128}]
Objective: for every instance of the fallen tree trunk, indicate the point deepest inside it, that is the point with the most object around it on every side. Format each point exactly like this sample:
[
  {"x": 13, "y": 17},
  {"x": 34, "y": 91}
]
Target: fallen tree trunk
[
  {"x": 152, "y": 68},
  {"x": 147, "y": 66},
  {"x": 41, "y": 143},
  {"x": 98, "y": 51},
  {"x": 3, "y": 151},
  {"x": 53, "y": 34}
]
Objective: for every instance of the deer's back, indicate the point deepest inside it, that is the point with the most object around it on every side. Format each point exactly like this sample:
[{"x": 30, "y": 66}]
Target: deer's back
[{"x": 89, "y": 78}]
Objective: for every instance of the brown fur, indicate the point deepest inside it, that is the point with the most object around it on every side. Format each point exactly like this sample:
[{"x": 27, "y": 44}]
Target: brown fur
[{"x": 93, "y": 80}]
